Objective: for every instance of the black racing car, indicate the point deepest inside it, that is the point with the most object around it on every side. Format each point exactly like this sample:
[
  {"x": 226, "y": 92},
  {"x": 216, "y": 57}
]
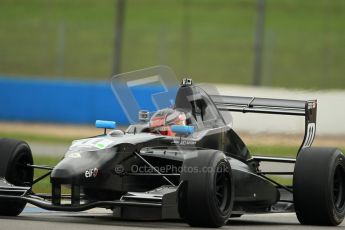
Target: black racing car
[{"x": 180, "y": 162}]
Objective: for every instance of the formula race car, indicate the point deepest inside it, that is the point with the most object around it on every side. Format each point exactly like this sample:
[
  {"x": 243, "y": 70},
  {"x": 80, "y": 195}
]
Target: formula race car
[{"x": 179, "y": 158}]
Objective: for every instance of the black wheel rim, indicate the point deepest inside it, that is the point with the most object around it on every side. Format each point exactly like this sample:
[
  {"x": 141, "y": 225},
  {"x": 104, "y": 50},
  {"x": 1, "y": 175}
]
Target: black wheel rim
[
  {"x": 222, "y": 187},
  {"x": 339, "y": 188}
]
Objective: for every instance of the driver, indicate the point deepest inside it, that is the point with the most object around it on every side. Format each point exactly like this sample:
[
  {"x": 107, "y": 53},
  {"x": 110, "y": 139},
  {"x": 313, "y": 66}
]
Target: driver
[{"x": 161, "y": 121}]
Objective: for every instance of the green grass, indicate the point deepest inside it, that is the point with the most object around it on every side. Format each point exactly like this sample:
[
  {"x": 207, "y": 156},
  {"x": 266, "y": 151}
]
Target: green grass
[
  {"x": 282, "y": 180},
  {"x": 277, "y": 151},
  {"x": 303, "y": 47},
  {"x": 44, "y": 185},
  {"x": 274, "y": 151},
  {"x": 39, "y": 138}
]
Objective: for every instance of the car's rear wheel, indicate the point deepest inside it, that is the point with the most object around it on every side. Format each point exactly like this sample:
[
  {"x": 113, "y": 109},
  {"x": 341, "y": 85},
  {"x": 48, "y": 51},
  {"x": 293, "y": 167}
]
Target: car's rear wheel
[
  {"x": 319, "y": 186},
  {"x": 14, "y": 156},
  {"x": 206, "y": 199}
]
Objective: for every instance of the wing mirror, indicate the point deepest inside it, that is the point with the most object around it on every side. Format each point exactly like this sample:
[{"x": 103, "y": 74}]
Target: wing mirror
[
  {"x": 182, "y": 129},
  {"x": 105, "y": 125}
]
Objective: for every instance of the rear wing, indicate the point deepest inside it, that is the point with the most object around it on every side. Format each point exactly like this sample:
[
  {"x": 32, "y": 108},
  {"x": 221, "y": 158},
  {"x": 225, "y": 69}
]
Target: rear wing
[{"x": 273, "y": 106}]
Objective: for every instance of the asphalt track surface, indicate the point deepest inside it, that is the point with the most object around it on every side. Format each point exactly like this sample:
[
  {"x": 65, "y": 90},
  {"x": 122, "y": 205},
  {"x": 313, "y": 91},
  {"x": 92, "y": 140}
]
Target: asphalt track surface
[{"x": 98, "y": 219}]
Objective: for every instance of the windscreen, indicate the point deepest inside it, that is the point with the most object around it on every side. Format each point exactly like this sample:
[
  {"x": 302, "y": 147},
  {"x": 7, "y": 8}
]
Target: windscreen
[{"x": 149, "y": 89}]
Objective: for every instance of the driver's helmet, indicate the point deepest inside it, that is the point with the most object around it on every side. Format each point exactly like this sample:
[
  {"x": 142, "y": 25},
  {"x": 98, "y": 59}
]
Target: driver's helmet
[{"x": 161, "y": 121}]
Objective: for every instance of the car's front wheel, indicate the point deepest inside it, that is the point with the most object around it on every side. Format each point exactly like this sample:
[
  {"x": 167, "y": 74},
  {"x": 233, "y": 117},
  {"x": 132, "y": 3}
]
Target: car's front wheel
[
  {"x": 206, "y": 199},
  {"x": 14, "y": 156}
]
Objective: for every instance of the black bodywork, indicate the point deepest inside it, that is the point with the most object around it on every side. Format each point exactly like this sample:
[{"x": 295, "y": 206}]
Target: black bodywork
[{"x": 109, "y": 176}]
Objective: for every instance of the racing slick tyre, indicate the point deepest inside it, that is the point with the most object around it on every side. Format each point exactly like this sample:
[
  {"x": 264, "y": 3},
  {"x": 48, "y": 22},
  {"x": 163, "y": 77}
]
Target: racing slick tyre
[
  {"x": 319, "y": 186},
  {"x": 14, "y": 156},
  {"x": 207, "y": 193}
]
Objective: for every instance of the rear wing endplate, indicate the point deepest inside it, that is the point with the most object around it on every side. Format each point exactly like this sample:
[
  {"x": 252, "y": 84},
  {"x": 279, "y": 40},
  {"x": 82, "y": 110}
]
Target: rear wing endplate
[{"x": 273, "y": 106}]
